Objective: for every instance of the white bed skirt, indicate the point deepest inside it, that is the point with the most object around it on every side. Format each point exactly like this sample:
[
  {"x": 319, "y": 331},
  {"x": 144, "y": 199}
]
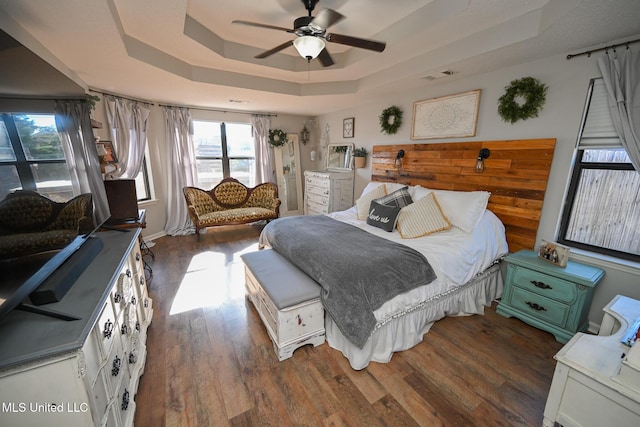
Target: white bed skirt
[{"x": 405, "y": 331}]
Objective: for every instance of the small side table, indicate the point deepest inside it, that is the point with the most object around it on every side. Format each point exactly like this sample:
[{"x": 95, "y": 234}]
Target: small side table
[
  {"x": 549, "y": 297},
  {"x": 141, "y": 222},
  {"x": 596, "y": 380}
]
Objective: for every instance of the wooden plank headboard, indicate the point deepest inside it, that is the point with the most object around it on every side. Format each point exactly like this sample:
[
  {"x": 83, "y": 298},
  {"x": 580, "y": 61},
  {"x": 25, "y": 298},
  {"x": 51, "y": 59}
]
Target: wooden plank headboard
[{"x": 516, "y": 174}]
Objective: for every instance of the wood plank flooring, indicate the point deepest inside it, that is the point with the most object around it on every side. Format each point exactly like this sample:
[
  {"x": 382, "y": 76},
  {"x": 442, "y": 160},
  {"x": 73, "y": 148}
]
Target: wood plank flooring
[{"x": 210, "y": 361}]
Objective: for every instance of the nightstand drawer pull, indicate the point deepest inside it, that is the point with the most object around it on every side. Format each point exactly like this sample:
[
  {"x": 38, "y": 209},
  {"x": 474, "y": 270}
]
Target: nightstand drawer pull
[
  {"x": 540, "y": 285},
  {"x": 535, "y": 306}
]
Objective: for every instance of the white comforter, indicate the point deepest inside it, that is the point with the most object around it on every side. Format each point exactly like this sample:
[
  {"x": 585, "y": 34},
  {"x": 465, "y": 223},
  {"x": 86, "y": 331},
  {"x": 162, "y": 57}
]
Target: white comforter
[{"x": 455, "y": 256}]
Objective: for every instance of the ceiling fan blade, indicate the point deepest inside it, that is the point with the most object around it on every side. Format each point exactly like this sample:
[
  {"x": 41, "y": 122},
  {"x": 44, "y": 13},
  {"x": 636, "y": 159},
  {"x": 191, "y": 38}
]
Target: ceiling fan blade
[
  {"x": 325, "y": 59},
  {"x": 257, "y": 24},
  {"x": 356, "y": 42},
  {"x": 326, "y": 18},
  {"x": 274, "y": 50}
]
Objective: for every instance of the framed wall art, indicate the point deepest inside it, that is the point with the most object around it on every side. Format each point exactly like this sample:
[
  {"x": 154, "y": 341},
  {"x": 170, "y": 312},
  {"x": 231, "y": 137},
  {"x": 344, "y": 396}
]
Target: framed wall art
[
  {"x": 348, "y": 127},
  {"x": 106, "y": 152},
  {"x": 452, "y": 116}
]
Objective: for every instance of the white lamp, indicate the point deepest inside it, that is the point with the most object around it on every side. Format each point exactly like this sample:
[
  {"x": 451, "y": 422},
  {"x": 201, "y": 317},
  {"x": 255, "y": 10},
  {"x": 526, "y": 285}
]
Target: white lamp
[{"x": 309, "y": 47}]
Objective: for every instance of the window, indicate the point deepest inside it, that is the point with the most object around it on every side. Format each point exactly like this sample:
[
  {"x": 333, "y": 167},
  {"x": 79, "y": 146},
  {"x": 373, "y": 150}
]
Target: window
[
  {"x": 601, "y": 212},
  {"x": 143, "y": 188},
  {"x": 224, "y": 150},
  {"x": 32, "y": 157}
]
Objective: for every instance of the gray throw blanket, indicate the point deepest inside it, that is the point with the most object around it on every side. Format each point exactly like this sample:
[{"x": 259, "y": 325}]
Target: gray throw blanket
[{"x": 358, "y": 271}]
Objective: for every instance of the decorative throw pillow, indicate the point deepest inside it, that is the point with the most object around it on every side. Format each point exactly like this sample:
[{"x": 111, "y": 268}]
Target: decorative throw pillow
[
  {"x": 363, "y": 203},
  {"x": 462, "y": 208},
  {"x": 383, "y": 216},
  {"x": 399, "y": 198},
  {"x": 421, "y": 218},
  {"x": 390, "y": 187}
]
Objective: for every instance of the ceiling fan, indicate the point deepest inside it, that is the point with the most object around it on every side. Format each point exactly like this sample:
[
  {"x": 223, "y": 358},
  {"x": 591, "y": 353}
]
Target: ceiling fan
[{"x": 311, "y": 34}]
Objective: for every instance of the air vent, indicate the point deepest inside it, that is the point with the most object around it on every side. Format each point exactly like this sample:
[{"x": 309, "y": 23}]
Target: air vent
[{"x": 438, "y": 75}]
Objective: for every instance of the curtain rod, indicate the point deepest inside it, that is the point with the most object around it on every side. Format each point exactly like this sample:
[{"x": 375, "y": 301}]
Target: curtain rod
[
  {"x": 613, "y": 46},
  {"x": 220, "y": 110},
  {"x": 120, "y": 96},
  {"x": 42, "y": 98}
]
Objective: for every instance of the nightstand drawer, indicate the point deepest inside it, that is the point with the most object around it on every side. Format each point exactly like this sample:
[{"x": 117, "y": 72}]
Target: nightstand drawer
[
  {"x": 549, "y": 297},
  {"x": 542, "y": 284},
  {"x": 543, "y": 308}
]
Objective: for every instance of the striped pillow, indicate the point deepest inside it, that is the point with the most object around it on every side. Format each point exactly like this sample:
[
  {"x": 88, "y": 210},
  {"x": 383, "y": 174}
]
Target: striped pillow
[{"x": 422, "y": 218}]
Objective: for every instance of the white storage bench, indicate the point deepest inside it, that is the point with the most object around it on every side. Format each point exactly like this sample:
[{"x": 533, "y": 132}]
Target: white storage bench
[{"x": 287, "y": 300}]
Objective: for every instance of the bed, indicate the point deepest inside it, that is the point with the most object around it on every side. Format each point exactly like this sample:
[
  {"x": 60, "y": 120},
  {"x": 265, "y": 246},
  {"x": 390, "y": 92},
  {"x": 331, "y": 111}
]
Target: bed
[{"x": 464, "y": 256}]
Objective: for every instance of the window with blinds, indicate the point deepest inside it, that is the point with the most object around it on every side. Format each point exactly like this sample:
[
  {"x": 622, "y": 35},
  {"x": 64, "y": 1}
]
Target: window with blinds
[{"x": 602, "y": 207}]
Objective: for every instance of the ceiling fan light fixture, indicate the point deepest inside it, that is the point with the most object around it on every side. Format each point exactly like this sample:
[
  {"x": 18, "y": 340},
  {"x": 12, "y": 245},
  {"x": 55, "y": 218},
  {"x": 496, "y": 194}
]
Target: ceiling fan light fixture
[{"x": 309, "y": 47}]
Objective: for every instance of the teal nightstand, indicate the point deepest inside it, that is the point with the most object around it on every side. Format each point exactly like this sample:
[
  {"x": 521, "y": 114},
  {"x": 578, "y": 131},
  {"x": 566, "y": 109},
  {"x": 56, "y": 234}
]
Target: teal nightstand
[{"x": 551, "y": 298}]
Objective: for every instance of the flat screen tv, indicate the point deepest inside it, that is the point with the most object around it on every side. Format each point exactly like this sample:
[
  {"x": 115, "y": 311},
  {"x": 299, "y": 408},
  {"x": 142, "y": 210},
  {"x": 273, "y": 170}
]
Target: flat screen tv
[{"x": 27, "y": 283}]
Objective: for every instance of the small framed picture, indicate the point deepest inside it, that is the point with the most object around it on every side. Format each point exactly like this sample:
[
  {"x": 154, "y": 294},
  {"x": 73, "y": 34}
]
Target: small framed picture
[
  {"x": 348, "y": 127},
  {"x": 554, "y": 253},
  {"x": 106, "y": 153}
]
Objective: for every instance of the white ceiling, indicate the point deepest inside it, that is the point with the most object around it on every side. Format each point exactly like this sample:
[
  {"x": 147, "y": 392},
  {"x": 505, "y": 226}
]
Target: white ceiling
[{"x": 187, "y": 52}]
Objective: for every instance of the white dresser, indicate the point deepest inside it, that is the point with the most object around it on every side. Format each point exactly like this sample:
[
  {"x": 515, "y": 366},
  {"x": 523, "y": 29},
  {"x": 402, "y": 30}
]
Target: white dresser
[
  {"x": 82, "y": 372},
  {"x": 597, "y": 377},
  {"x": 327, "y": 191}
]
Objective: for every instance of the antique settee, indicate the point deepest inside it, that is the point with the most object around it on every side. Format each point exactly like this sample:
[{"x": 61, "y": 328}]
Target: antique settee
[
  {"x": 231, "y": 202},
  {"x": 31, "y": 223}
]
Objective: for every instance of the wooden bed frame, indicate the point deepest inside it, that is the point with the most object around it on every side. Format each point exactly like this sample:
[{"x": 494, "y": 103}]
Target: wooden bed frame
[{"x": 516, "y": 175}]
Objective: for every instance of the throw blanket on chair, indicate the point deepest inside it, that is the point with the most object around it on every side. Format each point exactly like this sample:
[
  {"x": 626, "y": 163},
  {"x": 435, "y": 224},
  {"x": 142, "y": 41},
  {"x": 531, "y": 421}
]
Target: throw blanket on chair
[{"x": 358, "y": 271}]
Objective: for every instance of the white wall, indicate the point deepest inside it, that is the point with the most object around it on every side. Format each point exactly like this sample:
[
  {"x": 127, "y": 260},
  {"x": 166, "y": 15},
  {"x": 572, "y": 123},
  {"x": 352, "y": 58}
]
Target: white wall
[{"x": 560, "y": 118}]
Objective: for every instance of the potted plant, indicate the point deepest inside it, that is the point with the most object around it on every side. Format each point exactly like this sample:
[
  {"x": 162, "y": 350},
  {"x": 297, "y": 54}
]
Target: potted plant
[{"x": 360, "y": 157}]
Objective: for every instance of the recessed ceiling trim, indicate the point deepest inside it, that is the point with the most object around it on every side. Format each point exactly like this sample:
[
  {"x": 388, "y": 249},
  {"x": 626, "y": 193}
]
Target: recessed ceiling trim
[{"x": 154, "y": 57}]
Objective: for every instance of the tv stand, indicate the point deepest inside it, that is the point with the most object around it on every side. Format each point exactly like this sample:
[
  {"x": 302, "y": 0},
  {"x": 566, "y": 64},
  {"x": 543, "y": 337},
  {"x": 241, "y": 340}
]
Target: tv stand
[{"x": 84, "y": 372}]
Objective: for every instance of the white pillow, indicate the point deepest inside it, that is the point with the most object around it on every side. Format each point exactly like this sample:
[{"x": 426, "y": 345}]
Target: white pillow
[
  {"x": 363, "y": 203},
  {"x": 421, "y": 218},
  {"x": 462, "y": 208},
  {"x": 389, "y": 186}
]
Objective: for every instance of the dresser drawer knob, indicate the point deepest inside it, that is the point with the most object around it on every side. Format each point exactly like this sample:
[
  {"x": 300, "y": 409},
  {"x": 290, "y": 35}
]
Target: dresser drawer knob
[
  {"x": 125, "y": 400},
  {"x": 540, "y": 285},
  {"x": 108, "y": 329},
  {"x": 535, "y": 306},
  {"x": 117, "y": 363}
]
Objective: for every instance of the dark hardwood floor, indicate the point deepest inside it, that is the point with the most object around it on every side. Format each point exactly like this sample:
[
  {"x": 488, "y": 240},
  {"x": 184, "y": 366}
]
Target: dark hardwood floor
[{"x": 210, "y": 361}]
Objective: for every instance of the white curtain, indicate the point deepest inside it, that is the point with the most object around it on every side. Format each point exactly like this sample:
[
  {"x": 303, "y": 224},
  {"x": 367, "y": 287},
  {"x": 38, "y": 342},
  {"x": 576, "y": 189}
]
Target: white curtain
[
  {"x": 74, "y": 127},
  {"x": 180, "y": 170},
  {"x": 621, "y": 77},
  {"x": 127, "y": 120},
  {"x": 265, "y": 162}
]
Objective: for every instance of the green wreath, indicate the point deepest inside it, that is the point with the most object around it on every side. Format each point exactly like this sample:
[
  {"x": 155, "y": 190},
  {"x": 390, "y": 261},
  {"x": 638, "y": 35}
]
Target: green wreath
[
  {"x": 391, "y": 120},
  {"x": 277, "y": 137},
  {"x": 533, "y": 93}
]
